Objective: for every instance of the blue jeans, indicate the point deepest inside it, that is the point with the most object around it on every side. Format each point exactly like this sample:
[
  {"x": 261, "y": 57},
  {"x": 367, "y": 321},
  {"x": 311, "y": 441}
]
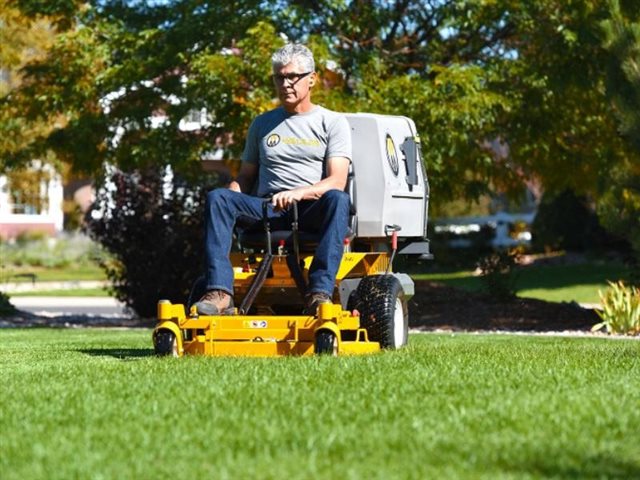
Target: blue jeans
[{"x": 329, "y": 215}]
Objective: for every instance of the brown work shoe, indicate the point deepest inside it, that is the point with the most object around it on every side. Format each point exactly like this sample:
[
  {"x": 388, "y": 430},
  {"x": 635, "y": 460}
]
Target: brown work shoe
[
  {"x": 215, "y": 302},
  {"x": 313, "y": 299}
]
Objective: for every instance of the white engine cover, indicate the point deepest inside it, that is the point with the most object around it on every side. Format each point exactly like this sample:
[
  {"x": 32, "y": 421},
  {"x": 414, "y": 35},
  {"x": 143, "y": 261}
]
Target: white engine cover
[{"x": 388, "y": 189}]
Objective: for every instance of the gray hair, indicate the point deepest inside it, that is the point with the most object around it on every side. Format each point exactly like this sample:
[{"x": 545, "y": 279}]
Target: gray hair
[{"x": 293, "y": 52}]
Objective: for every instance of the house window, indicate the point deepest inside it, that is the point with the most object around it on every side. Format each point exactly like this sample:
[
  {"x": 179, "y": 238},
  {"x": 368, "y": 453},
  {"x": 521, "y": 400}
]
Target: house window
[{"x": 28, "y": 191}]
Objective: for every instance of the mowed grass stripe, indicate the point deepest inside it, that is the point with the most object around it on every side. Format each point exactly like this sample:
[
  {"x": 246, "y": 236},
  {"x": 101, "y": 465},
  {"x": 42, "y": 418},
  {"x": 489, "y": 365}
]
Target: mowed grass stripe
[{"x": 95, "y": 404}]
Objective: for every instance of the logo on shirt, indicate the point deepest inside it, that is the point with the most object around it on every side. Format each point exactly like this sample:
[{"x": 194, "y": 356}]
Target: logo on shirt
[
  {"x": 273, "y": 140},
  {"x": 392, "y": 155}
]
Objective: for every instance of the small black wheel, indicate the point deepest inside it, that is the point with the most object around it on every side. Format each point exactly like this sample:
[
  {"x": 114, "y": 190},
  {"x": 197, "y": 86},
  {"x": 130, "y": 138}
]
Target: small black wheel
[
  {"x": 326, "y": 343},
  {"x": 165, "y": 343},
  {"x": 383, "y": 311}
]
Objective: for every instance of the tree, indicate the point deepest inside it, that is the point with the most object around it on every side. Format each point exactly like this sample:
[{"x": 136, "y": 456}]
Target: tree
[
  {"x": 622, "y": 41},
  {"x": 121, "y": 77},
  {"x": 23, "y": 41},
  {"x": 619, "y": 206},
  {"x": 467, "y": 72},
  {"x": 121, "y": 81}
]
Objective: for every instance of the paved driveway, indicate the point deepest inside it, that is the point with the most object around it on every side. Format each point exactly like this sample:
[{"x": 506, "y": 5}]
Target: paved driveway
[{"x": 53, "y": 306}]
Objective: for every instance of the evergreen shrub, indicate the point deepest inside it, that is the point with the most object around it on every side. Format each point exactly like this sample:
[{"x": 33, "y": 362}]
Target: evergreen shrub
[
  {"x": 566, "y": 222},
  {"x": 151, "y": 223}
]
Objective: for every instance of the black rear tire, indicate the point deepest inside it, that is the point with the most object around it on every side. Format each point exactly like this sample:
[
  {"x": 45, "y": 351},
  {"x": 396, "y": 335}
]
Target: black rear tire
[
  {"x": 326, "y": 343},
  {"x": 383, "y": 310},
  {"x": 166, "y": 344}
]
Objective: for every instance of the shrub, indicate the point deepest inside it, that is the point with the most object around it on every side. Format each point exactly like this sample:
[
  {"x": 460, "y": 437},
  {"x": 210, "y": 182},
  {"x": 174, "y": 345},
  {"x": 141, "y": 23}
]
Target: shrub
[
  {"x": 30, "y": 236},
  {"x": 48, "y": 252},
  {"x": 6, "y": 308},
  {"x": 620, "y": 311},
  {"x": 566, "y": 222},
  {"x": 498, "y": 273},
  {"x": 479, "y": 244},
  {"x": 151, "y": 223}
]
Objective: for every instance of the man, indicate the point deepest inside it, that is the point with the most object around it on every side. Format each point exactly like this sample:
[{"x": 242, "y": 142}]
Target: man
[{"x": 298, "y": 152}]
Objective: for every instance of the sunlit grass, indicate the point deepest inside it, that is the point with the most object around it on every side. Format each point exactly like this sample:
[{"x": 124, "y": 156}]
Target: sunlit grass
[
  {"x": 94, "y": 403},
  {"x": 69, "y": 273}
]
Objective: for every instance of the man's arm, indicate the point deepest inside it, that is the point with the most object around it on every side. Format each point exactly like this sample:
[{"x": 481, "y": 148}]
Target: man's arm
[
  {"x": 245, "y": 179},
  {"x": 336, "y": 179}
]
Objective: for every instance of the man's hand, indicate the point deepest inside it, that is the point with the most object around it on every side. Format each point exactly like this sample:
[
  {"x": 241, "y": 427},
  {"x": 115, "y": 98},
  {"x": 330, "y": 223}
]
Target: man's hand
[
  {"x": 283, "y": 200},
  {"x": 235, "y": 186},
  {"x": 245, "y": 179},
  {"x": 337, "y": 171}
]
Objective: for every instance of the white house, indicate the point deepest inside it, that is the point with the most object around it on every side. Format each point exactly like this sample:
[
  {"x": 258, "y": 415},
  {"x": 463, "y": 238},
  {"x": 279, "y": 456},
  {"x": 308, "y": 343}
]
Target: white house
[{"x": 21, "y": 215}]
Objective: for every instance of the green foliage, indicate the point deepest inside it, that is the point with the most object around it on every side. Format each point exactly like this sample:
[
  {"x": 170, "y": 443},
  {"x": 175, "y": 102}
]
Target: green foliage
[
  {"x": 567, "y": 221},
  {"x": 622, "y": 41},
  {"x": 6, "y": 308},
  {"x": 151, "y": 223},
  {"x": 620, "y": 312},
  {"x": 562, "y": 129},
  {"x": 431, "y": 408},
  {"x": 498, "y": 274},
  {"x": 34, "y": 249},
  {"x": 469, "y": 73},
  {"x": 619, "y": 207},
  {"x": 60, "y": 11},
  {"x": 102, "y": 82},
  {"x": 24, "y": 40},
  {"x": 527, "y": 74},
  {"x": 30, "y": 240},
  {"x": 454, "y": 112}
]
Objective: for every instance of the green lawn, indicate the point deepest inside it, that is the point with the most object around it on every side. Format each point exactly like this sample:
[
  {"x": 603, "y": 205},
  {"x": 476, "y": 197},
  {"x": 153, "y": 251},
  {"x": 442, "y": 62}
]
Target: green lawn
[
  {"x": 93, "y": 403},
  {"x": 557, "y": 283},
  {"x": 44, "y": 275},
  {"x": 71, "y": 273}
]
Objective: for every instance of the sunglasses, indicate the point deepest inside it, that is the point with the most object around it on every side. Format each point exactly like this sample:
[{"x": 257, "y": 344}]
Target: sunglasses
[{"x": 293, "y": 78}]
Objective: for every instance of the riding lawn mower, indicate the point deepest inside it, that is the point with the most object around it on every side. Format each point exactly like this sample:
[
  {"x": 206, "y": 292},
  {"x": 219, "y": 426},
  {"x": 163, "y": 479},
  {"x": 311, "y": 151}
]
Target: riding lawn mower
[{"x": 389, "y": 210}]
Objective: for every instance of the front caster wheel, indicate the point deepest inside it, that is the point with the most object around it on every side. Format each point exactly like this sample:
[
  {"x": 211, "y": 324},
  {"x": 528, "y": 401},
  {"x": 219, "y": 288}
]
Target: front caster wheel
[
  {"x": 326, "y": 343},
  {"x": 165, "y": 344}
]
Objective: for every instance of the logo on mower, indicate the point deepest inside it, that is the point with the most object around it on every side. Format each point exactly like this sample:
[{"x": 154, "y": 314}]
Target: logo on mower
[
  {"x": 392, "y": 156},
  {"x": 256, "y": 324},
  {"x": 273, "y": 140}
]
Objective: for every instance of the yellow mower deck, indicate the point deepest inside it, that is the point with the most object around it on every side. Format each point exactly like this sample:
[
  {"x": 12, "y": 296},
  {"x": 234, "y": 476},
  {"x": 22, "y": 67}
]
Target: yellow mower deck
[{"x": 265, "y": 334}]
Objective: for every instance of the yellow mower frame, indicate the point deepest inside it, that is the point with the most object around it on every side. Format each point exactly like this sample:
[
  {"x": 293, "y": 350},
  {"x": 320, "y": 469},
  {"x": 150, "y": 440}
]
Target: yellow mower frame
[{"x": 332, "y": 330}]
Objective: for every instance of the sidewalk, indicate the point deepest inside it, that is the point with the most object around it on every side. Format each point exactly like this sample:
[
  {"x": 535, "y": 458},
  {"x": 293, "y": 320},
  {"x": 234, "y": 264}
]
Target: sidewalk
[{"x": 57, "y": 306}]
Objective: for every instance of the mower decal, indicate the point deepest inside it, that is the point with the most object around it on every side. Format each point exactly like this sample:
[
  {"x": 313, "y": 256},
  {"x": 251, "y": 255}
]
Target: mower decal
[
  {"x": 392, "y": 155},
  {"x": 255, "y": 324},
  {"x": 273, "y": 140},
  {"x": 349, "y": 262}
]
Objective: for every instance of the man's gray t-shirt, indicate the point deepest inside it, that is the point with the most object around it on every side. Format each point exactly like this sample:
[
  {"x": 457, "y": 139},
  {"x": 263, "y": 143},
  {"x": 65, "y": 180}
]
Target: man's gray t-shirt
[{"x": 291, "y": 150}]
